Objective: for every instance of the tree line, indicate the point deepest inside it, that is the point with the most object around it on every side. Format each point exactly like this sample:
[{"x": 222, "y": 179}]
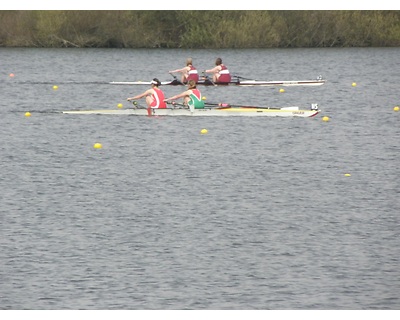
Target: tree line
[{"x": 199, "y": 29}]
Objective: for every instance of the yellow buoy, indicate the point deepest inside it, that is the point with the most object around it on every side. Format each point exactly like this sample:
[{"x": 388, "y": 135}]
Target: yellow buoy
[
  {"x": 97, "y": 145},
  {"x": 204, "y": 131},
  {"x": 119, "y": 105},
  {"x": 282, "y": 90},
  {"x": 347, "y": 174},
  {"x": 325, "y": 118},
  {"x": 55, "y": 87},
  {"x": 354, "y": 84},
  {"x": 27, "y": 114},
  {"x": 203, "y": 98},
  {"x": 396, "y": 108}
]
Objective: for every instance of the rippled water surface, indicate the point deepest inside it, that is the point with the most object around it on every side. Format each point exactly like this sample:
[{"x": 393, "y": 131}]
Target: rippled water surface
[{"x": 255, "y": 214}]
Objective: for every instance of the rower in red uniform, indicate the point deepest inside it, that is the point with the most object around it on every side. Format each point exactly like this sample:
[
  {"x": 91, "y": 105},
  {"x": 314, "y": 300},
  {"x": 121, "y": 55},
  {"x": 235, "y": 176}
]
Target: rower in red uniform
[
  {"x": 189, "y": 72},
  {"x": 220, "y": 72},
  {"x": 154, "y": 96}
]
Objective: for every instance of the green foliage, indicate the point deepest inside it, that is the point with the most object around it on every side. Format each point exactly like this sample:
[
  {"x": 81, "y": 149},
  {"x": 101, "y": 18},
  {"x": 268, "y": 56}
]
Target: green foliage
[{"x": 199, "y": 29}]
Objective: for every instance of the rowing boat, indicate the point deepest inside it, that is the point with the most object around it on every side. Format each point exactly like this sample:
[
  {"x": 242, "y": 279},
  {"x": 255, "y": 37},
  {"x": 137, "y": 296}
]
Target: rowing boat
[
  {"x": 248, "y": 111},
  {"x": 238, "y": 81}
]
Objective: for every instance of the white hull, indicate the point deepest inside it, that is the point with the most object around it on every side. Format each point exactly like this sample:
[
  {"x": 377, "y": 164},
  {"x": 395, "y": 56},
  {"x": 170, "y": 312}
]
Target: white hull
[
  {"x": 236, "y": 82},
  {"x": 225, "y": 112},
  {"x": 246, "y": 83}
]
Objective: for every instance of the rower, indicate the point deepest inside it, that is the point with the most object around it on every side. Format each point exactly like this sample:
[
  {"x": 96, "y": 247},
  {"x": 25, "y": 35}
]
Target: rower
[
  {"x": 154, "y": 95},
  {"x": 191, "y": 97},
  {"x": 189, "y": 72},
  {"x": 220, "y": 72}
]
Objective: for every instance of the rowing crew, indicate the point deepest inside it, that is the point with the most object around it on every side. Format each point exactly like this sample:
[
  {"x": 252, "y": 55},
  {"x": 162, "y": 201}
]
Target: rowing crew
[
  {"x": 220, "y": 72},
  {"x": 191, "y": 97},
  {"x": 155, "y": 96}
]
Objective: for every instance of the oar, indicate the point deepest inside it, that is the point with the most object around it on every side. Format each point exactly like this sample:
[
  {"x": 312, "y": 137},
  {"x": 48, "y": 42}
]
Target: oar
[
  {"x": 174, "y": 104},
  {"x": 218, "y": 105},
  {"x": 176, "y": 79},
  {"x": 228, "y": 105},
  {"x": 207, "y": 78},
  {"x": 242, "y": 78},
  {"x": 136, "y": 105}
]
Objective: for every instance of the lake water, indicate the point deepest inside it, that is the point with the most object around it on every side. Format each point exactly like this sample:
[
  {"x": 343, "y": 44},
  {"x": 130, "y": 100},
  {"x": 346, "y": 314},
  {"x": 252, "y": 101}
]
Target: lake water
[{"x": 265, "y": 214}]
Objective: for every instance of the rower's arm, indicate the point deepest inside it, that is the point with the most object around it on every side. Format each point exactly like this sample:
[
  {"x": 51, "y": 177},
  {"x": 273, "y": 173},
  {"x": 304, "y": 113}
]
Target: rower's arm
[
  {"x": 181, "y": 95},
  {"x": 139, "y": 96},
  {"x": 213, "y": 70},
  {"x": 177, "y": 70}
]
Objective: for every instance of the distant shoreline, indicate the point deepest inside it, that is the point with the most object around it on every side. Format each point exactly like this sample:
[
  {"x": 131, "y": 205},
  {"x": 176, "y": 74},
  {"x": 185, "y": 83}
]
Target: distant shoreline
[{"x": 199, "y": 29}]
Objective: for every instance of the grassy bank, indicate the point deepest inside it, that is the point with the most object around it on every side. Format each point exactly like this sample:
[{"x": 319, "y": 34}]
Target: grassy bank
[{"x": 199, "y": 29}]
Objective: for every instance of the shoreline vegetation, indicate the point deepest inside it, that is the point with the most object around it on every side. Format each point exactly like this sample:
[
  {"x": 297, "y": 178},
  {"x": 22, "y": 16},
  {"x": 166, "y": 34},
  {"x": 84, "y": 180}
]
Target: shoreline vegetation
[{"x": 199, "y": 29}]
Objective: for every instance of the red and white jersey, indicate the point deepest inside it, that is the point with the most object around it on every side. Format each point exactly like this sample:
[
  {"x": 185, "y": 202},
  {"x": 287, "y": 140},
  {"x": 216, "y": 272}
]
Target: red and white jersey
[
  {"x": 192, "y": 74},
  {"x": 158, "y": 99},
  {"x": 224, "y": 74}
]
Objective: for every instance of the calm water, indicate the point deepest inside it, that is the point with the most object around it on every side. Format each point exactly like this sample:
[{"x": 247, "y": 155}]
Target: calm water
[{"x": 256, "y": 214}]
